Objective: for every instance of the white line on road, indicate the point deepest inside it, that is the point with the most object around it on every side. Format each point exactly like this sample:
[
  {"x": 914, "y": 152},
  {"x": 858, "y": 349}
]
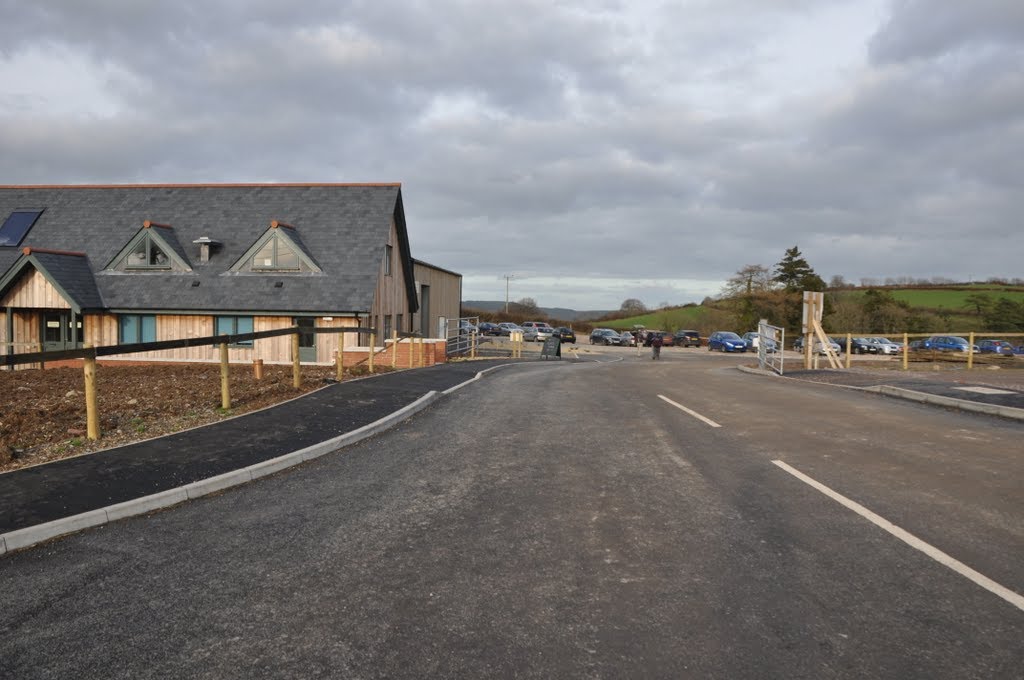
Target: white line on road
[
  {"x": 911, "y": 540},
  {"x": 691, "y": 412}
]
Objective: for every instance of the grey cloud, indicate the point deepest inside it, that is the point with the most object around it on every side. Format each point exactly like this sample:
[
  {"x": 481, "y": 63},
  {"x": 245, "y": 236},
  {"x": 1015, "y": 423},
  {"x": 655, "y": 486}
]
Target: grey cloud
[{"x": 922, "y": 29}]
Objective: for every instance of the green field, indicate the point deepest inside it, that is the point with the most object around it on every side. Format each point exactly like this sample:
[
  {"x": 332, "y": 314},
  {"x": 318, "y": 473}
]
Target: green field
[
  {"x": 954, "y": 298},
  {"x": 673, "y": 319}
]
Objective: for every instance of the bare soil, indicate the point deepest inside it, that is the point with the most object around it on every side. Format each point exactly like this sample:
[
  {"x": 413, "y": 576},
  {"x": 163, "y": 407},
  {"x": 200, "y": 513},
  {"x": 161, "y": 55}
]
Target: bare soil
[{"x": 43, "y": 416}]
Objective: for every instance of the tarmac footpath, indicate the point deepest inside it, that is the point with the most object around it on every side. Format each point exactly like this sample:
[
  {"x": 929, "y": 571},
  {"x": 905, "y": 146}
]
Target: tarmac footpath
[{"x": 53, "y": 499}]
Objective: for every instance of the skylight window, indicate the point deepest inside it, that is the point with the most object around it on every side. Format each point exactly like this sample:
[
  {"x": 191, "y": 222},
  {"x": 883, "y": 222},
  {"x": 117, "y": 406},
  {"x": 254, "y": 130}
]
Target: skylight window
[{"x": 17, "y": 225}]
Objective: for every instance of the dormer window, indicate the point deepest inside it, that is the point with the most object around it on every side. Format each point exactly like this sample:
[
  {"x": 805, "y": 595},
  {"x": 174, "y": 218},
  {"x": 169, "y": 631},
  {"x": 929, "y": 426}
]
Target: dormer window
[
  {"x": 151, "y": 249},
  {"x": 279, "y": 249},
  {"x": 147, "y": 255},
  {"x": 276, "y": 255}
]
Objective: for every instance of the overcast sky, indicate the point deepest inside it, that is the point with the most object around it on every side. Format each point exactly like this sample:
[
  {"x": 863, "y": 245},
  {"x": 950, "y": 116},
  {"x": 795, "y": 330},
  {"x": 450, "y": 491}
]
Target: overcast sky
[{"x": 596, "y": 151}]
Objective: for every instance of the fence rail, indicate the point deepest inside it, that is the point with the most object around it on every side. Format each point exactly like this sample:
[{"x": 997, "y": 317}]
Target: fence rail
[{"x": 89, "y": 355}]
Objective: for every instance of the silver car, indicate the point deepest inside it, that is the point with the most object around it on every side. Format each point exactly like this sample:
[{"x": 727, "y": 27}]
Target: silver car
[{"x": 886, "y": 346}]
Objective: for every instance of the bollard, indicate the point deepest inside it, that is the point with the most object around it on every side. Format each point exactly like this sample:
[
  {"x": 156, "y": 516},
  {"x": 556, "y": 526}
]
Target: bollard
[
  {"x": 369, "y": 359},
  {"x": 225, "y": 386},
  {"x": 257, "y": 369},
  {"x": 296, "y": 369},
  {"x": 92, "y": 414}
]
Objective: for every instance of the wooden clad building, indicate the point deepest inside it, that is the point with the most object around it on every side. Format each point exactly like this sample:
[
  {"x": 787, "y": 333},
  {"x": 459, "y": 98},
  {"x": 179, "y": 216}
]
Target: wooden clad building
[{"x": 109, "y": 265}]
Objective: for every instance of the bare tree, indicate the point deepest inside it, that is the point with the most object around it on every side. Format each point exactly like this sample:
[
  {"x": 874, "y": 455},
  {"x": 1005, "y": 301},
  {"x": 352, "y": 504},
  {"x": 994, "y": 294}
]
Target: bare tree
[{"x": 632, "y": 307}]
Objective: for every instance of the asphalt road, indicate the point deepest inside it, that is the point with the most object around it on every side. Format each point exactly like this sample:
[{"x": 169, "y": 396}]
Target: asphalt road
[{"x": 568, "y": 521}]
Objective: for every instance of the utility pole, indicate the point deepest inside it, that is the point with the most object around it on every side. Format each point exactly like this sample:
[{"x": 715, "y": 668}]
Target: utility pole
[{"x": 507, "y": 278}]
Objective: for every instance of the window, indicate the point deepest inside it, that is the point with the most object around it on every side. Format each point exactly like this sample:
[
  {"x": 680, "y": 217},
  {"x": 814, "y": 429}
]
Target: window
[
  {"x": 147, "y": 254},
  {"x": 387, "y": 260},
  {"x": 233, "y": 325},
  {"x": 387, "y": 326},
  {"x": 133, "y": 328},
  {"x": 277, "y": 255},
  {"x": 17, "y": 225}
]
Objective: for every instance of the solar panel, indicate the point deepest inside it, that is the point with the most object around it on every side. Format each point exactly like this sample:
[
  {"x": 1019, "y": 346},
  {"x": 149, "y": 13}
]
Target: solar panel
[{"x": 17, "y": 225}]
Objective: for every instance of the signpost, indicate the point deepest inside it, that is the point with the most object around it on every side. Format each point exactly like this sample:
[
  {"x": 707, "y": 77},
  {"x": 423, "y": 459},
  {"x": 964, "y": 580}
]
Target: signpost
[{"x": 552, "y": 348}]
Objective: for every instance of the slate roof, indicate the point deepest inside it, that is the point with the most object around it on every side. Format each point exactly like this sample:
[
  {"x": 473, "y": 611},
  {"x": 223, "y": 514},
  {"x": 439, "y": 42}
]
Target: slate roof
[{"x": 343, "y": 228}]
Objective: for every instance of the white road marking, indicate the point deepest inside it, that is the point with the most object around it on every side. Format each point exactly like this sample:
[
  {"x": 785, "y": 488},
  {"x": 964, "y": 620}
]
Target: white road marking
[
  {"x": 911, "y": 540},
  {"x": 691, "y": 412},
  {"x": 984, "y": 390}
]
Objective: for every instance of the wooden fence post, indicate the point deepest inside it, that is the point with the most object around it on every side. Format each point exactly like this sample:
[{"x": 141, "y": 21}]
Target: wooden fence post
[
  {"x": 970, "y": 351},
  {"x": 296, "y": 370},
  {"x": 341, "y": 357},
  {"x": 412, "y": 345},
  {"x": 257, "y": 369},
  {"x": 373, "y": 344},
  {"x": 92, "y": 414},
  {"x": 906, "y": 353},
  {"x": 849, "y": 347},
  {"x": 225, "y": 385},
  {"x": 472, "y": 345},
  {"x": 394, "y": 349}
]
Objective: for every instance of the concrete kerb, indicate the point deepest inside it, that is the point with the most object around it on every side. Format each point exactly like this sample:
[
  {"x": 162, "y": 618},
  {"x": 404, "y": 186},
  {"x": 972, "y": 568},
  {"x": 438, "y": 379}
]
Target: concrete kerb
[
  {"x": 476, "y": 377},
  {"x": 951, "y": 402},
  {"x": 913, "y": 395},
  {"x": 29, "y": 536}
]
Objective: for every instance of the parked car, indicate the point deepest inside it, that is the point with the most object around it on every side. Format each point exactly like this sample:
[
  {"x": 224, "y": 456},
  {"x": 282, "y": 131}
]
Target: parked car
[
  {"x": 995, "y": 347},
  {"x": 798, "y": 345},
  {"x": 686, "y": 339},
  {"x": 565, "y": 334},
  {"x": 627, "y": 339},
  {"x": 604, "y": 336},
  {"x": 488, "y": 328},
  {"x": 753, "y": 340},
  {"x": 858, "y": 345},
  {"x": 544, "y": 332},
  {"x": 726, "y": 341},
  {"x": 466, "y": 328},
  {"x": 915, "y": 345},
  {"x": 507, "y": 328},
  {"x": 947, "y": 343},
  {"x": 886, "y": 346},
  {"x": 666, "y": 338}
]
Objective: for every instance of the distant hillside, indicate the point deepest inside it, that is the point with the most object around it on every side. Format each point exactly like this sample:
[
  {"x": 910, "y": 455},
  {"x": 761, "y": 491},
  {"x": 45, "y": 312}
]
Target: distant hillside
[{"x": 553, "y": 312}]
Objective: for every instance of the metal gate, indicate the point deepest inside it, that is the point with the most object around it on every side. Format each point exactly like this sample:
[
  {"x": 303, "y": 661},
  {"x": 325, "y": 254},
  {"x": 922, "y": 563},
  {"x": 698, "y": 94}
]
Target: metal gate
[
  {"x": 770, "y": 338},
  {"x": 460, "y": 335}
]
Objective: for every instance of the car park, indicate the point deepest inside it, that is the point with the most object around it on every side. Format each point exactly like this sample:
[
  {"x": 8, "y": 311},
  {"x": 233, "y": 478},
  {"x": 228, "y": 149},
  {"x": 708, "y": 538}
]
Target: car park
[
  {"x": 686, "y": 339},
  {"x": 726, "y": 341},
  {"x": 604, "y": 336},
  {"x": 995, "y": 347}
]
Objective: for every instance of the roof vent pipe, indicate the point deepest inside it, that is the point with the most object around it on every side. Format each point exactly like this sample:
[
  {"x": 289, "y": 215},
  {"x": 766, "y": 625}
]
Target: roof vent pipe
[{"x": 205, "y": 243}]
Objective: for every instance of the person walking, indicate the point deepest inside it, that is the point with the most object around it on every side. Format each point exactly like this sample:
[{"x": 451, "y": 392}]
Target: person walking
[{"x": 656, "y": 343}]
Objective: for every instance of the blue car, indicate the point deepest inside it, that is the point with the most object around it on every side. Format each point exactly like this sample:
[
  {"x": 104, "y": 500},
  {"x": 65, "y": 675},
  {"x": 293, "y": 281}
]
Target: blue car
[
  {"x": 995, "y": 347},
  {"x": 726, "y": 341},
  {"x": 946, "y": 343}
]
